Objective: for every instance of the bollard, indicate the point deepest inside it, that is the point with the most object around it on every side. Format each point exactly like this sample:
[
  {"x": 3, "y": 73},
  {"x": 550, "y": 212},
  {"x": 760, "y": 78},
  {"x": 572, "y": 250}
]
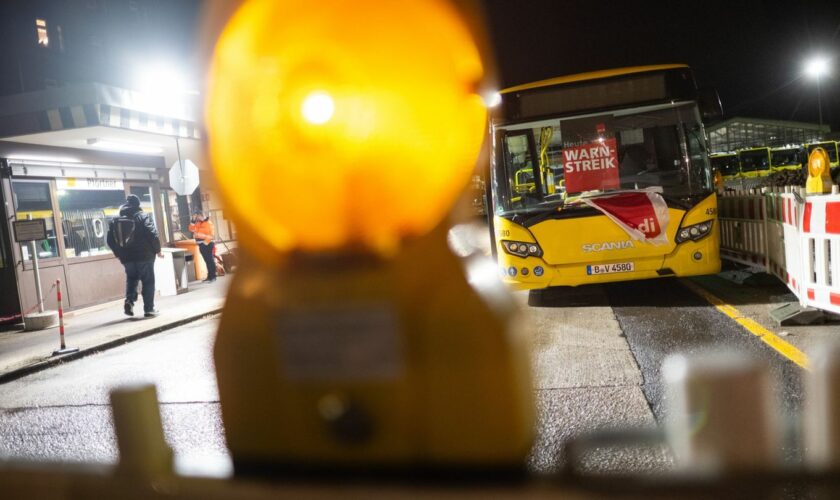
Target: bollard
[
  {"x": 63, "y": 349},
  {"x": 822, "y": 409},
  {"x": 143, "y": 449},
  {"x": 722, "y": 413}
]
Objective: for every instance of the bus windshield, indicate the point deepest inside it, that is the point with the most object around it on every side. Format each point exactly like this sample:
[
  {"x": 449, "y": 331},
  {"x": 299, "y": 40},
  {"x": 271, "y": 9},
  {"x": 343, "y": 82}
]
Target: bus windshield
[
  {"x": 755, "y": 160},
  {"x": 570, "y": 157},
  {"x": 785, "y": 157},
  {"x": 727, "y": 165}
]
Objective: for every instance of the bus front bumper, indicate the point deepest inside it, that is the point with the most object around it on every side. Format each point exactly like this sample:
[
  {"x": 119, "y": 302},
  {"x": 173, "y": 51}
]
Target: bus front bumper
[{"x": 688, "y": 259}]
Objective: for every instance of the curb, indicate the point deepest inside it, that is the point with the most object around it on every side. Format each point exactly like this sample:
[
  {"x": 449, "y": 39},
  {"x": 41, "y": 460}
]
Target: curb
[{"x": 51, "y": 362}]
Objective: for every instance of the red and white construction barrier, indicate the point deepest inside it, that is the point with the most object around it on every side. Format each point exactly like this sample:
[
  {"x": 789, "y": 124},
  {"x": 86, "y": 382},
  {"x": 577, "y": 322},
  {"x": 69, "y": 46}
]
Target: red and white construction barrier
[
  {"x": 797, "y": 240},
  {"x": 792, "y": 246},
  {"x": 775, "y": 205},
  {"x": 820, "y": 245}
]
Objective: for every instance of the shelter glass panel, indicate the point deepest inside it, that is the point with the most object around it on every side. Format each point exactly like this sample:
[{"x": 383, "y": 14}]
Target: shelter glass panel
[{"x": 87, "y": 207}]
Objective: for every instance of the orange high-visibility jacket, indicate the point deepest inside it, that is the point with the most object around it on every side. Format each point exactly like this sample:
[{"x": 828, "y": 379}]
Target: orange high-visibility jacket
[{"x": 202, "y": 231}]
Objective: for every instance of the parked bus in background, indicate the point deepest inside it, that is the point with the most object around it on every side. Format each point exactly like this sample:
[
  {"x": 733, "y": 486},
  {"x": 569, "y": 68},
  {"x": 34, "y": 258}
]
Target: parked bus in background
[
  {"x": 726, "y": 164},
  {"x": 636, "y": 198},
  {"x": 787, "y": 158},
  {"x": 754, "y": 162}
]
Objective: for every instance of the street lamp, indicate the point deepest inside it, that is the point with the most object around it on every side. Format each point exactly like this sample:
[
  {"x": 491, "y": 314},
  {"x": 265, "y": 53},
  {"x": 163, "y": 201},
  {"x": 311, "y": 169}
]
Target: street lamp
[
  {"x": 816, "y": 68},
  {"x": 163, "y": 89}
]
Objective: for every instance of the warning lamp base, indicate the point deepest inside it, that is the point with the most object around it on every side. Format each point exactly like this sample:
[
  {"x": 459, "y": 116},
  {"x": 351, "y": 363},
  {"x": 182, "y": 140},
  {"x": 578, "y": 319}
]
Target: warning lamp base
[{"x": 346, "y": 365}]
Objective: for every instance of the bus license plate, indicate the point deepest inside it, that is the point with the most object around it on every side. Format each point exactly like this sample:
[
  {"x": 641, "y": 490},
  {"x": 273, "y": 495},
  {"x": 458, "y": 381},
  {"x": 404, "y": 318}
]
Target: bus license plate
[{"x": 621, "y": 267}]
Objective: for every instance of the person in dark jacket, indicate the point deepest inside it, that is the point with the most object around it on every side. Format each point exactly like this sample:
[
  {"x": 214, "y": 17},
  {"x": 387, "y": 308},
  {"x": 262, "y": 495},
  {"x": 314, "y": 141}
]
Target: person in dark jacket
[{"x": 138, "y": 256}]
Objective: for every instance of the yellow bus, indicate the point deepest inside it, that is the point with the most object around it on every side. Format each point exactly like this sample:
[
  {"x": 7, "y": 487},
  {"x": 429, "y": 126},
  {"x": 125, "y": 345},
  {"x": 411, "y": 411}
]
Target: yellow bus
[
  {"x": 787, "y": 158},
  {"x": 726, "y": 164},
  {"x": 754, "y": 162},
  {"x": 616, "y": 134}
]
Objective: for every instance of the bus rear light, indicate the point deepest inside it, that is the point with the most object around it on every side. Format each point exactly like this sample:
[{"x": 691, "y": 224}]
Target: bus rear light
[
  {"x": 694, "y": 232},
  {"x": 521, "y": 249}
]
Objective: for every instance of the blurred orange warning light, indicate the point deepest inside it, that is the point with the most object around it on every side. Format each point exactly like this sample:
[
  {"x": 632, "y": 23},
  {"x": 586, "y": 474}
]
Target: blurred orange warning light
[{"x": 338, "y": 124}]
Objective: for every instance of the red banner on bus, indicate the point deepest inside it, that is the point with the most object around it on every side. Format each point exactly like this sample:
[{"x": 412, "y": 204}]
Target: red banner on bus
[
  {"x": 590, "y": 167},
  {"x": 643, "y": 214}
]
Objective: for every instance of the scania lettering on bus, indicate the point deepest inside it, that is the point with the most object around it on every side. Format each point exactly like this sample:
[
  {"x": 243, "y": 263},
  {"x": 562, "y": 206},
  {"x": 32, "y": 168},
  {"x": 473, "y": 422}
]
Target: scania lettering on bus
[{"x": 607, "y": 245}]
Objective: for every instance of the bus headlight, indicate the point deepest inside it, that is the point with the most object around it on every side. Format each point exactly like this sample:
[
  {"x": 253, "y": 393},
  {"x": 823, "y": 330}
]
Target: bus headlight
[
  {"x": 521, "y": 249},
  {"x": 694, "y": 232}
]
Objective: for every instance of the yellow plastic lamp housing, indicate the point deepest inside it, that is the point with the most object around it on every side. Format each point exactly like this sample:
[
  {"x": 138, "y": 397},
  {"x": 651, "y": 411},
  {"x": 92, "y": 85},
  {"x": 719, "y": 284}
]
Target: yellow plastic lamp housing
[
  {"x": 819, "y": 176},
  {"x": 817, "y": 162},
  {"x": 338, "y": 124}
]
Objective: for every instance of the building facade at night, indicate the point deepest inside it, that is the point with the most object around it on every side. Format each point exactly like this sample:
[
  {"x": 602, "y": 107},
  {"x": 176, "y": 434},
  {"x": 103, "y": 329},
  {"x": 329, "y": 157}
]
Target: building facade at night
[
  {"x": 87, "y": 117},
  {"x": 741, "y": 133}
]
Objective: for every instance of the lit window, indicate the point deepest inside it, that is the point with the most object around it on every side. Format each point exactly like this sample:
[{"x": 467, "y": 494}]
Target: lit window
[
  {"x": 87, "y": 207},
  {"x": 41, "y": 28}
]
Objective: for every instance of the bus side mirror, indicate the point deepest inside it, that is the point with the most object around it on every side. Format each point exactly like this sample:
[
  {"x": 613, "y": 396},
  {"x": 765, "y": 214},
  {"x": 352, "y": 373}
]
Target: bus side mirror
[{"x": 709, "y": 103}]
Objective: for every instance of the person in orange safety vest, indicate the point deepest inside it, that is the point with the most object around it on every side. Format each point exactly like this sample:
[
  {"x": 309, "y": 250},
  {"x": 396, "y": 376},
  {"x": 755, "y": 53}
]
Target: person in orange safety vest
[{"x": 202, "y": 230}]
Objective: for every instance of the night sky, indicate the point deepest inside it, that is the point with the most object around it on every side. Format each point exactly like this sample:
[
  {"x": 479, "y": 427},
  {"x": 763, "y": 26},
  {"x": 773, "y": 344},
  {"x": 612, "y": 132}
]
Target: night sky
[{"x": 752, "y": 51}]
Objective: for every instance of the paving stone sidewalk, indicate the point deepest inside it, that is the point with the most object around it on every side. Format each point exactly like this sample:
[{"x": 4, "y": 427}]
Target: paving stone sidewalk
[{"x": 103, "y": 326}]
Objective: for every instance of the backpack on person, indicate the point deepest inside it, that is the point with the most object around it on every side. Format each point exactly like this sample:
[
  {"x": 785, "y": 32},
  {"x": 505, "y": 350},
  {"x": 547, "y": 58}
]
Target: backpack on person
[
  {"x": 122, "y": 234},
  {"x": 123, "y": 230}
]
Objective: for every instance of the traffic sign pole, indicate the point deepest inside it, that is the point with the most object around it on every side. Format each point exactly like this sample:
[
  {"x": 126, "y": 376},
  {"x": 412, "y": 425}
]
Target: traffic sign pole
[
  {"x": 180, "y": 162},
  {"x": 38, "y": 290}
]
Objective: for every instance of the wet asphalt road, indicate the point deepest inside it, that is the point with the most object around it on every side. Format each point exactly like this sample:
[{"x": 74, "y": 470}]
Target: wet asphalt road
[
  {"x": 661, "y": 317},
  {"x": 63, "y": 413},
  {"x": 656, "y": 318},
  {"x": 598, "y": 354}
]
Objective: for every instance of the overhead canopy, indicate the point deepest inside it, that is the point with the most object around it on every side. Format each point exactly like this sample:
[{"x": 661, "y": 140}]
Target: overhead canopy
[{"x": 82, "y": 116}]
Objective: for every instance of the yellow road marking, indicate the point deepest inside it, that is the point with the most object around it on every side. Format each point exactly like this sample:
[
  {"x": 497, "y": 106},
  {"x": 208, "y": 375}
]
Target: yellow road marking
[{"x": 771, "y": 339}]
